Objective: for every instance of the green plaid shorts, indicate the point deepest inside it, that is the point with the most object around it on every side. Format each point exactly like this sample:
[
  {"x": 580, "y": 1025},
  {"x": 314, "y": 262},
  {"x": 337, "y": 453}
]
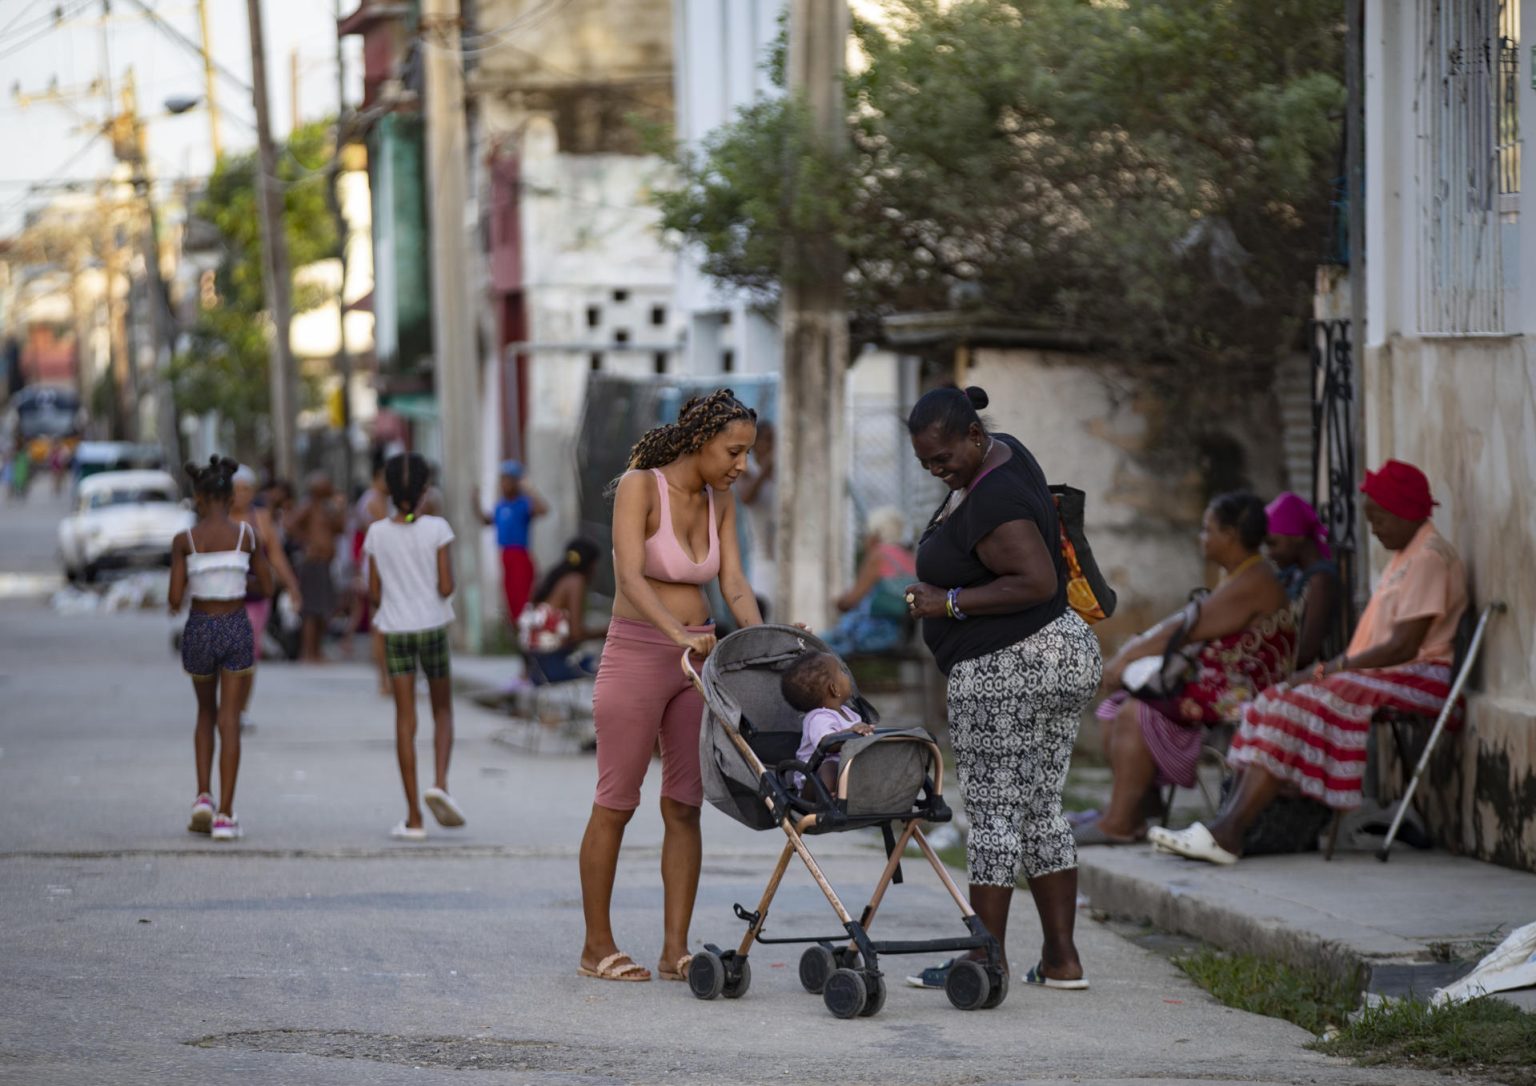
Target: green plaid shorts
[{"x": 402, "y": 650}]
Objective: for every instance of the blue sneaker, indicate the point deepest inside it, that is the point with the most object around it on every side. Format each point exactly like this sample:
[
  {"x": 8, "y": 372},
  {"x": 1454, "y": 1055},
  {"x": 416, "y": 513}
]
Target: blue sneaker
[{"x": 932, "y": 977}]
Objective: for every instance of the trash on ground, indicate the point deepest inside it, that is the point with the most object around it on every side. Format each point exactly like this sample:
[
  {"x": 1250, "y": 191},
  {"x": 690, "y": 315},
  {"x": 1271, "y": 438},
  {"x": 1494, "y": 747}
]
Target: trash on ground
[{"x": 1510, "y": 965}]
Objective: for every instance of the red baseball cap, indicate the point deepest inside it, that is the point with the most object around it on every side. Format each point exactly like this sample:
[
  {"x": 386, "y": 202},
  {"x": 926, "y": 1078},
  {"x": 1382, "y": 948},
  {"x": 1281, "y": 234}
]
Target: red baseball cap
[{"x": 1401, "y": 489}]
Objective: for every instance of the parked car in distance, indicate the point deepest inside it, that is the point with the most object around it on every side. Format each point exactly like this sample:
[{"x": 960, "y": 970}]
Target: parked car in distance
[
  {"x": 95, "y": 457},
  {"x": 122, "y": 520}
]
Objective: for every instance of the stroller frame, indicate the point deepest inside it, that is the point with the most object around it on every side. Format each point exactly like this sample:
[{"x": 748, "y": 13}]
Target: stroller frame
[{"x": 848, "y": 976}]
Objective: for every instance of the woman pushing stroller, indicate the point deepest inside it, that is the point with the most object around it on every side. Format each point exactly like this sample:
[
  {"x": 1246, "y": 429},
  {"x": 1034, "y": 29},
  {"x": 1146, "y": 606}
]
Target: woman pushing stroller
[{"x": 670, "y": 539}]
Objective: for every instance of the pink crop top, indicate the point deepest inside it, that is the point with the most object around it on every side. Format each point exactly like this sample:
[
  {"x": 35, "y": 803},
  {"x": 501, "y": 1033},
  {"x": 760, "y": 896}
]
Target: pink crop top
[{"x": 665, "y": 559}]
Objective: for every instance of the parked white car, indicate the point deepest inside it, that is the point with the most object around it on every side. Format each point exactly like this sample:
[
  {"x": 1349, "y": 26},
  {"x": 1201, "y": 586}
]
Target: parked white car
[{"x": 122, "y": 519}]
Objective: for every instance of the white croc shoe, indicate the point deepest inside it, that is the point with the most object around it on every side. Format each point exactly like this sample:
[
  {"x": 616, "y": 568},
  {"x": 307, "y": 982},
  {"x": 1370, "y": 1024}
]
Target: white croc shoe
[{"x": 1194, "y": 843}]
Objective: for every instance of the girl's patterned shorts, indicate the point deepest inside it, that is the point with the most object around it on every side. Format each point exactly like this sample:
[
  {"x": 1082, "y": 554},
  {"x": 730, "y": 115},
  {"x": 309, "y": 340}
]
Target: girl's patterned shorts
[
  {"x": 403, "y": 650},
  {"x": 214, "y": 643}
]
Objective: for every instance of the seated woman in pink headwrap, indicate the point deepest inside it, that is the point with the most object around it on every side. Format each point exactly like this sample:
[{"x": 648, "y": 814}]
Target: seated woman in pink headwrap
[
  {"x": 1298, "y": 544},
  {"x": 1308, "y": 735}
]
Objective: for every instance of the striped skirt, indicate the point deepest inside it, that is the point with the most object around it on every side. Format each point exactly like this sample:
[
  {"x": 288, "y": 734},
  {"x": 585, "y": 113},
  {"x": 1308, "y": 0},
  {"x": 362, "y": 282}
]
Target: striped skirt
[{"x": 1314, "y": 735}]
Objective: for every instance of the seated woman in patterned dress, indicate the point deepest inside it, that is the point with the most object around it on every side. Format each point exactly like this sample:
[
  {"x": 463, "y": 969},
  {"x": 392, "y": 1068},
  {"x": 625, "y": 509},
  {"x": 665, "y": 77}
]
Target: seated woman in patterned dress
[
  {"x": 1249, "y": 632},
  {"x": 1308, "y": 736}
]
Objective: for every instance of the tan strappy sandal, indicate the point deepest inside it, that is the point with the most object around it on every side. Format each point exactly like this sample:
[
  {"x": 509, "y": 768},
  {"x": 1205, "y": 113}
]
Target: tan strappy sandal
[
  {"x": 680, "y": 972},
  {"x": 618, "y": 966}
]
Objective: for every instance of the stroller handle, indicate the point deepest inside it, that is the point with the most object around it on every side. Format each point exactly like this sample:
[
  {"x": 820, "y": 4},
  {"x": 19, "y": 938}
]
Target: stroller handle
[{"x": 691, "y": 672}]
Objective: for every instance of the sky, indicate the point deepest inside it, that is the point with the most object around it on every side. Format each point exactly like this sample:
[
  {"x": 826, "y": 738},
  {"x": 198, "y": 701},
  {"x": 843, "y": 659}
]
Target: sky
[{"x": 51, "y": 141}]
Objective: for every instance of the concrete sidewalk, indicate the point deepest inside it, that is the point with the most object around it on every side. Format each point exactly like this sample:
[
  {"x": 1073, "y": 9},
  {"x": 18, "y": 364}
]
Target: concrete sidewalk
[{"x": 1411, "y": 924}]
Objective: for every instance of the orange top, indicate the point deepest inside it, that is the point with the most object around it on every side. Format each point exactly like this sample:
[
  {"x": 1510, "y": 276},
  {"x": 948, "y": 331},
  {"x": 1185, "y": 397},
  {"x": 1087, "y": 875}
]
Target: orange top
[{"x": 1426, "y": 579}]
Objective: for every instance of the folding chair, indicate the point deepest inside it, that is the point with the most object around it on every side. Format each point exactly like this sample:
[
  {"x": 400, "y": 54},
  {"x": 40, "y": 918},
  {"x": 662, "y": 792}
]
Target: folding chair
[{"x": 1400, "y": 723}]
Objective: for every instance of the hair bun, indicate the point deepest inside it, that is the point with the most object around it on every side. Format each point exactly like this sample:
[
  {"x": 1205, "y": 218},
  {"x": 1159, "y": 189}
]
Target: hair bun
[{"x": 977, "y": 396}]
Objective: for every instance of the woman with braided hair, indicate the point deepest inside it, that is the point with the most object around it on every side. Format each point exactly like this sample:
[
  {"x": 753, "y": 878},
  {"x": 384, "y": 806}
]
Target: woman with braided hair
[
  {"x": 210, "y": 564},
  {"x": 670, "y": 539}
]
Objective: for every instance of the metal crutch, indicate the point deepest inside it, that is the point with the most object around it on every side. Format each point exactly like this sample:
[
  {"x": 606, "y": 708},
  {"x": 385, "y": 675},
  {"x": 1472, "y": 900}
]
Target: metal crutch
[{"x": 1434, "y": 736}]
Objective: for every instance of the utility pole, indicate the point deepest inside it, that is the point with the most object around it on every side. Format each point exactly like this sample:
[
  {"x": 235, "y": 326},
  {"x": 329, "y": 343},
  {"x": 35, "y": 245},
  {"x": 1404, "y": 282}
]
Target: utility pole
[
  {"x": 209, "y": 83},
  {"x": 130, "y": 145},
  {"x": 812, "y": 453},
  {"x": 276, "y": 276},
  {"x": 453, "y": 325},
  {"x": 293, "y": 91},
  {"x": 343, "y": 230}
]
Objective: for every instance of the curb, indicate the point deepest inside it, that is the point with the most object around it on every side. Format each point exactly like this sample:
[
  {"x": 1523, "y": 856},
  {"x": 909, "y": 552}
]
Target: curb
[{"x": 1143, "y": 900}]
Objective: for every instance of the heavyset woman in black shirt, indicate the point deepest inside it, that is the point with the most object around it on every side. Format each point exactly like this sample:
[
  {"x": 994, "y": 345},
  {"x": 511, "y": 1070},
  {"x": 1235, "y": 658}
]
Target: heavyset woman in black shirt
[{"x": 1021, "y": 667}]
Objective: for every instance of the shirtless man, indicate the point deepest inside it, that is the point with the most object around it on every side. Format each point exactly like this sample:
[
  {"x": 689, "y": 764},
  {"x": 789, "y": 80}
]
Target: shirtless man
[{"x": 315, "y": 526}]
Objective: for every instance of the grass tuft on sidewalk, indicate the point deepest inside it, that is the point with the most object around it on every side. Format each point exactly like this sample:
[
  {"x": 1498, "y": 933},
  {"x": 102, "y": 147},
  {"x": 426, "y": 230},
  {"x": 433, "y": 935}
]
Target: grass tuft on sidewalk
[
  {"x": 1484, "y": 1037},
  {"x": 1310, "y": 999}
]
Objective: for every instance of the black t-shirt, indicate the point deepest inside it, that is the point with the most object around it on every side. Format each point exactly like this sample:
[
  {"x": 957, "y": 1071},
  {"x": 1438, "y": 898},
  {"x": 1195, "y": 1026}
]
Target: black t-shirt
[{"x": 946, "y": 558}]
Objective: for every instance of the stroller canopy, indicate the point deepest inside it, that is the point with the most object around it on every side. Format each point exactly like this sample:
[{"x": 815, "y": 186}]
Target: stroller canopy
[{"x": 741, "y": 691}]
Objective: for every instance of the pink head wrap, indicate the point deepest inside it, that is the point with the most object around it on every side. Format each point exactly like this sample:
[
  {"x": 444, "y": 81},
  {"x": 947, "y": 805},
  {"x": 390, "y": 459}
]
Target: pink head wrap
[{"x": 1291, "y": 514}]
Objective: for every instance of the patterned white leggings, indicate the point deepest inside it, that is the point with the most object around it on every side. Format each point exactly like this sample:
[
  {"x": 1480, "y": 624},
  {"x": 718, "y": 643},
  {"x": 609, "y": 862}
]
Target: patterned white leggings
[{"x": 1013, "y": 717}]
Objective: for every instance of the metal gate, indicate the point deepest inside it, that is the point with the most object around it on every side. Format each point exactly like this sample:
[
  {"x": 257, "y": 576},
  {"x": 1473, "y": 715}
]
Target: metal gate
[{"x": 1334, "y": 470}]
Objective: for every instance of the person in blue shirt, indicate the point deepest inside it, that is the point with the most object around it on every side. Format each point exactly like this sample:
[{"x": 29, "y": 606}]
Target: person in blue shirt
[{"x": 513, "y": 515}]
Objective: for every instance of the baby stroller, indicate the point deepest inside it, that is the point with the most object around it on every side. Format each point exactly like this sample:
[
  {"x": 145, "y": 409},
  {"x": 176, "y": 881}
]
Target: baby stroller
[{"x": 892, "y": 778}]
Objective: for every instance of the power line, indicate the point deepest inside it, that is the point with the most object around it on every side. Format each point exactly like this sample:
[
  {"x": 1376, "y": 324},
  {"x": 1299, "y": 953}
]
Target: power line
[
  {"x": 73, "y": 159},
  {"x": 186, "y": 42},
  {"x": 522, "y": 22},
  {"x": 28, "y": 6},
  {"x": 55, "y": 19}
]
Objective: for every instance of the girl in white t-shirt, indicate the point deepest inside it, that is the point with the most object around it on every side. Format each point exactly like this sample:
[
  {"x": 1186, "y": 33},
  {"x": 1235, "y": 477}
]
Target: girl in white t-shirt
[{"x": 410, "y": 581}]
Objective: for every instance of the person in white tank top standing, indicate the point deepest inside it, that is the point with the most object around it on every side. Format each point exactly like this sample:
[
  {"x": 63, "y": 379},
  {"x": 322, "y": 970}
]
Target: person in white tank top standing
[{"x": 211, "y": 564}]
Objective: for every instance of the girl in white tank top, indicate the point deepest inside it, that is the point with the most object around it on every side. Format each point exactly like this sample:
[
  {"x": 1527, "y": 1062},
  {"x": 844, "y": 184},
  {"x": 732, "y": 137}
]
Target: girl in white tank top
[{"x": 210, "y": 566}]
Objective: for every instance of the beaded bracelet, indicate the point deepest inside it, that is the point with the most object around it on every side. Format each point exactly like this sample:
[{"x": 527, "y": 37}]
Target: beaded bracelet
[{"x": 952, "y": 607}]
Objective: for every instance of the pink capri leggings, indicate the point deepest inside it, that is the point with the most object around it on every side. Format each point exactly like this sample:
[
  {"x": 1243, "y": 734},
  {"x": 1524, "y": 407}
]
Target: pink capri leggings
[{"x": 642, "y": 695}]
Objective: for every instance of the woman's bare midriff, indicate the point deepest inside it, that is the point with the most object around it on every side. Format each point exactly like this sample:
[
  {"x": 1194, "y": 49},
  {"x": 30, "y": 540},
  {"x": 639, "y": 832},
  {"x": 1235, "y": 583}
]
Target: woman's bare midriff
[
  {"x": 685, "y": 602},
  {"x": 217, "y": 607}
]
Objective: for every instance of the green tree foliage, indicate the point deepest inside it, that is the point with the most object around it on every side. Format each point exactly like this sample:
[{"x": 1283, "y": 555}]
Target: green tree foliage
[
  {"x": 1155, "y": 173},
  {"x": 224, "y": 367}
]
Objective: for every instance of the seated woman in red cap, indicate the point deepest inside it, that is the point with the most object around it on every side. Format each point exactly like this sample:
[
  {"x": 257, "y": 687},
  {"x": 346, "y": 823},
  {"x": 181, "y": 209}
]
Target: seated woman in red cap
[{"x": 1308, "y": 736}]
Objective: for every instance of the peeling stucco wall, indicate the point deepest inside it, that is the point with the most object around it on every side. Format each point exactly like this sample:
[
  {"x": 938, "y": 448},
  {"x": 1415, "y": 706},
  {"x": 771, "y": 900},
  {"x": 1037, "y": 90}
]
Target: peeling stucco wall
[{"x": 1464, "y": 410}]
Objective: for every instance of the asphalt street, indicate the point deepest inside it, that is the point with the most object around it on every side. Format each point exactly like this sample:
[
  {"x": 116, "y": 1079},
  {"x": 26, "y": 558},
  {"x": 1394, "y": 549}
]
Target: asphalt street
[{"x": 319, "y": 951}]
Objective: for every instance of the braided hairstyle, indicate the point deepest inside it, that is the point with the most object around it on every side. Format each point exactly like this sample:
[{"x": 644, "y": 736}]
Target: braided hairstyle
[
  {"x": 215, "y": 481},
  {"x": 407, "y": 475},
  {"x": 700, "y": 419}
]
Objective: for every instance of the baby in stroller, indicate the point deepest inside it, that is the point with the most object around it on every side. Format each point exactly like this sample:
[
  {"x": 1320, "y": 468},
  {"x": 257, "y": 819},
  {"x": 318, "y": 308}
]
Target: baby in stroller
[{"x": 818, "y": 685}]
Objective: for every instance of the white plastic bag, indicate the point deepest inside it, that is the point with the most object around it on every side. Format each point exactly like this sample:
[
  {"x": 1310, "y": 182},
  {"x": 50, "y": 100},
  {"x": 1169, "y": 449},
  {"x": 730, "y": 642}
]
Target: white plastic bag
[{"x": 1511, "y": 965}]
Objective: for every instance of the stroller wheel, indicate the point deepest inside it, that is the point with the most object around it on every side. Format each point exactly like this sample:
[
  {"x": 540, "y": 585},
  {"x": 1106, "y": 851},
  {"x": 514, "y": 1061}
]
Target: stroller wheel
[
  {"x": 738, "y": 979},
  {"x": 816, "y": 965},
  {"x": 968, "y": 985},
  {"x": 845, "y": 994},
  {"x": 874, "y": 1000},
  {"x": 999, "y": 980},
  {"x": 848, "y": 958},
  {"x": 706, "y": 975}
]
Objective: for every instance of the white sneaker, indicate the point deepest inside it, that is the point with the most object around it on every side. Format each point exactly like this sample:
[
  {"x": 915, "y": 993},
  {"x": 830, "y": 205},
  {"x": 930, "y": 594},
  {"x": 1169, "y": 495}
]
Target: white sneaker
[
  {"x": 225, "y": 827},
  {"x": 402, "y": 832},
  {"x": 202, "y": 814},
  {"x": 441, "y": 804}
]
